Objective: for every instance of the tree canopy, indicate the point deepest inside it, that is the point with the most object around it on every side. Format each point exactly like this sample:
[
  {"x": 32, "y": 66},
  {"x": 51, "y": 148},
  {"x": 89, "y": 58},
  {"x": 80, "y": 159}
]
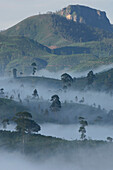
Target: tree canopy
[
  {"x": 66, "y": 79},
  {"x": 56, "y": 104},
  {"x": 25, "y": 124}
]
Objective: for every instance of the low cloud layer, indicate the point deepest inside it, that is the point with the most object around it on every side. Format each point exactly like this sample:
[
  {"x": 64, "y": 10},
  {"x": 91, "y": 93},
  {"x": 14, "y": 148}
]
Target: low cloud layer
[{"x": 100, "y": 158}]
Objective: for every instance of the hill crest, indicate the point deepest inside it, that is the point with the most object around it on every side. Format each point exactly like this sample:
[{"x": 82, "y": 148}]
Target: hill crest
[{"x": 87, "y": 15}]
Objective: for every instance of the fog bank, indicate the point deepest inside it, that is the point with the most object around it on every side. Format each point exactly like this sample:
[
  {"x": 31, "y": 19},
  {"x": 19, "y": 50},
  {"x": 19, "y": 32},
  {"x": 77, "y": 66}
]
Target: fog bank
[
  {"x": 70, "y": 132},
  {"x": 100, "y": 158},
  {"x": 47, "y": 73}
]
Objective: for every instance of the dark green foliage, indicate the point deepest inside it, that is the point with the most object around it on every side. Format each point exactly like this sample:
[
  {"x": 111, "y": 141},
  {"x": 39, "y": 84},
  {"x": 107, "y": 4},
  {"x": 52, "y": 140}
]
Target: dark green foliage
[
  {"x": 34, "y": 70},
  {"x": 35, "y": 93},
  {"x": 34, "y": 64},
  {"x": 90, "y": 77},
  {"x": 66, "y": 79},
  {"x": 9, "y": 108},
  {"x": 56, "y": 104},
  {"x": 82, "y": 129},
  {"x": 2, "y": 91},
  {"x": 109, "y": 139},
  {"x": 23, "y": 115},
  {"x": 46, "y": 146},
  {"x": 102, "y": 81},
  {"x": 25, "y": 123}
]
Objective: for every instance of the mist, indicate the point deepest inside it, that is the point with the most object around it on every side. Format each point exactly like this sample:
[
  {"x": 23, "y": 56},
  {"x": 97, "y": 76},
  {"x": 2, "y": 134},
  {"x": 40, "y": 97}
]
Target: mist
[
  {"x": 89, "y": 159},
  {"x": 70, "y": 132},
  {"x": 46, "y": 91},
  {"x": 57, "y": 75}
]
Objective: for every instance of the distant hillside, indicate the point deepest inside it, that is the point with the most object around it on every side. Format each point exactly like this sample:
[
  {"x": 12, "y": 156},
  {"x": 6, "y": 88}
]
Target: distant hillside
[
  {"x": 20, "y": 52},
  {"x": 55, "y": 30},
  {"x": 103, "y": 81},
  {"x": 86, "y": 15},
  {"x": 82, "y": 56},
  {"x": 9, "y": 108},
  {"x": 80, "y": 45}
]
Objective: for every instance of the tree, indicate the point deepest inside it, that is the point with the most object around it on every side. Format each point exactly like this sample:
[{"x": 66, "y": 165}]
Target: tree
[
  {"x": 82, "y": 129},
  {"x": 33, "y": 64},
  {"x": 34, "y": 68},
  {"x": 25, "y": 124},
  {"x": 14, "y": 72},
  {"x": 21, "y": 73},
  {"x": 1, "y": 91},
  {"x": 56, "y": 104},
  {"x": 76, "y": 99},
  {"x": 82, "y": 100},
  {"x": 66, "y": 79},
  {"x": 35, "y": 93},
  {"x": 109, "y": 139},
  {"x": 90, "y": 77}
]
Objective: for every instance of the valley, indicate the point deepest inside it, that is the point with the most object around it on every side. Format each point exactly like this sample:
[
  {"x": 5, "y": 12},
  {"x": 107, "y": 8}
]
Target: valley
[{"x": 56, "y": 91}]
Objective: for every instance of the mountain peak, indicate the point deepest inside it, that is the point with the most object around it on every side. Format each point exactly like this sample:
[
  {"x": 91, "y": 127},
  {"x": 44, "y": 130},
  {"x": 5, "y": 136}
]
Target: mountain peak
[{"x": 86, "y": 15}]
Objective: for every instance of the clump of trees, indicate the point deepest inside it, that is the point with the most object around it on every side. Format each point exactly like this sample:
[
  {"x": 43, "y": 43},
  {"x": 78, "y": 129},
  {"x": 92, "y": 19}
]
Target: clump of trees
[{"x": 56, "y": 104}]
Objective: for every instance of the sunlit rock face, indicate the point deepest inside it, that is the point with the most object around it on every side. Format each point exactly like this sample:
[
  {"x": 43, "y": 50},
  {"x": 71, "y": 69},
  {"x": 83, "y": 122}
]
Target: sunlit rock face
[{"x": 86, "y": 15}]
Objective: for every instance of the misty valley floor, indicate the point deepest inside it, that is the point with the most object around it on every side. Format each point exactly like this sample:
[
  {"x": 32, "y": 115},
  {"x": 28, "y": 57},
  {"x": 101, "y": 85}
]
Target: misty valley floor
[
  {"x": 61, "y": 148},
  {"x": 44, "y": 152}
]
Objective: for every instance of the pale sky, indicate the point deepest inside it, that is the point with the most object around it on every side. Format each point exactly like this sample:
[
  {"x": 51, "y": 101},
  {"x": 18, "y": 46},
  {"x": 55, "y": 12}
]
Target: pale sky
[{"x": 13, "y": 11}]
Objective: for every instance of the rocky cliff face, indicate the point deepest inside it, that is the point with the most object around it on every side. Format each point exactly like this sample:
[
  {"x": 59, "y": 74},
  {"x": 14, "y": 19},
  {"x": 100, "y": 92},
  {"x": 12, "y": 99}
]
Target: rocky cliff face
[{"x": 86, "y": 15}]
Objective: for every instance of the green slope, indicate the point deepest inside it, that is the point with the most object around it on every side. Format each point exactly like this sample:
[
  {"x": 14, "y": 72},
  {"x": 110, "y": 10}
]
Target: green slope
[
  {"x": 9, "y": 108},
  {"x": 103, "y": 81},
  {"x": 55, "y": 30},
  {"x": 82, "y": 56},
  {"x": 20, "y": 52},
  {"x": 39, "y": 146}
]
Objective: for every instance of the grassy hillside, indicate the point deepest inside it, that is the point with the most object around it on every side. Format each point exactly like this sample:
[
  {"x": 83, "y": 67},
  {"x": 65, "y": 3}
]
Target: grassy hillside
[
  {"x": 20, "y": 53},
  {"x": 9, "y": 108},
  {"x": 45, "y": 146},
  {"x": 81, "y": 47},
  {"x": 102, "y": 82},
  {"x": 55, "y": 30},
  {"x": 83, "y": 56}
]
